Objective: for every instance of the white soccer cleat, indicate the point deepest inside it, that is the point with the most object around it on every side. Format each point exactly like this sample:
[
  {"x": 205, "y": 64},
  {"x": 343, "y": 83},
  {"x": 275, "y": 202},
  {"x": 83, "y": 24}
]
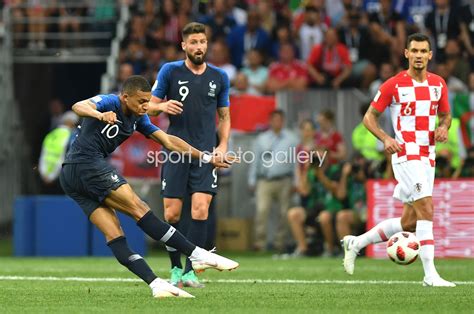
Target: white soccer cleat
[
  {"x": 350, "y": 253},
  {"x": 437, "y": 282},
  {"x": 207, "y": 259},
  {"x": 162, "y": 289}
]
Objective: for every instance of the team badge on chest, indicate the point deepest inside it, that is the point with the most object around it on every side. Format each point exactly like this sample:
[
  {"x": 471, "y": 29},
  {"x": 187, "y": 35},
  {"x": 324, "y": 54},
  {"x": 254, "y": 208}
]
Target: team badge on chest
[{"x": 212, "y": 89}]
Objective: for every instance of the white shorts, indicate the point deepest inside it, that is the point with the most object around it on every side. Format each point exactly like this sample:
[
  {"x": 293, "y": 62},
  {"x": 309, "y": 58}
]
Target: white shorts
[{"x": 415, "y": 180}]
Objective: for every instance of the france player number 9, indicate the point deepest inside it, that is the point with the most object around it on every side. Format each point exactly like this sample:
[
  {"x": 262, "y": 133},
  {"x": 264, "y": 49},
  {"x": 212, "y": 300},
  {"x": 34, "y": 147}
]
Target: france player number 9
[
  {"x": 184, "y": 92},
  {"x": 110, "y": 131}
]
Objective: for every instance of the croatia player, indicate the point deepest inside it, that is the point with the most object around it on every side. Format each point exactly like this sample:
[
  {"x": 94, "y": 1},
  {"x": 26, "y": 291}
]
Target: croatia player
[
  {"x": 195, "y": 90},
  {"x": 415, "y": 98},
  {"x": 100, "y": 190}
]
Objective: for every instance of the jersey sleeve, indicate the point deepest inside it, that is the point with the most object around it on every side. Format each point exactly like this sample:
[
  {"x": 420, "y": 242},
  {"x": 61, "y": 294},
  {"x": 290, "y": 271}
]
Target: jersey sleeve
[
  {"x": 443, "y": 103},
  {"x": 105, "y": 103},
  {"x": 145, "y": 127},
  {"x": 223, "y": 98},
  {"x": 162, "y": 82},
  {"x": 384, "y": 96}
]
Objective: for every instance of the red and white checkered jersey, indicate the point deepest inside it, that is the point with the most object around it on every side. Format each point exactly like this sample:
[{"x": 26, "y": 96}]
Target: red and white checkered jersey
[{"x": 413, "y": 107}]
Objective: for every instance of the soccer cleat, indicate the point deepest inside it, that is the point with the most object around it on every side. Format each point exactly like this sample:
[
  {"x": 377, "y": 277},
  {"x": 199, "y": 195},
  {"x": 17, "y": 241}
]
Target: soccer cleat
[
  {"x": 176, "y": 274},
  {"x": 191, "y": 280},
  {"x": 350, "y": 253},
  {"x": 162, "y": 289},
  {"x": 203, "y": 260},
  {"x": 437, "y": 282}
]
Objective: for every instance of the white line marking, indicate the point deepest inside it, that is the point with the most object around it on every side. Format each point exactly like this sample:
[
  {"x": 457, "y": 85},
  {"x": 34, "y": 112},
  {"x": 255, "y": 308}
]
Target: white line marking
[{"x": 241, "y": 281}]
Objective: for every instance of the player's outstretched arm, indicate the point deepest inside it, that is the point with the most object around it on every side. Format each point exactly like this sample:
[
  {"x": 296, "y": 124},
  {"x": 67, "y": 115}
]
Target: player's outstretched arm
[
  {"x": 157, "y": 106},
  {"x": 87, "y": 108},
  {"x": 174, "y": 143},
  {"x": 371, "y": 122}
]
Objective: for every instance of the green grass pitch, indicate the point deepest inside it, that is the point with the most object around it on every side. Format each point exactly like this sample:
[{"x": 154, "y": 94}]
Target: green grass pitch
[{"x": 260, "y": 285}]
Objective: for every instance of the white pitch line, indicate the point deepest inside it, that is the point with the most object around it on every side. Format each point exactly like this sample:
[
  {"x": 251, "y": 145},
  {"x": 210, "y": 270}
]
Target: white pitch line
[{"x": 241, "y": 281}]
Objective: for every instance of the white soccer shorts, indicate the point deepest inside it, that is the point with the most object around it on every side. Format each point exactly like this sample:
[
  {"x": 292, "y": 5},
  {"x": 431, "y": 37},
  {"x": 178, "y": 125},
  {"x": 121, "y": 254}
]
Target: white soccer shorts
[{"x": 415, "y": 180}]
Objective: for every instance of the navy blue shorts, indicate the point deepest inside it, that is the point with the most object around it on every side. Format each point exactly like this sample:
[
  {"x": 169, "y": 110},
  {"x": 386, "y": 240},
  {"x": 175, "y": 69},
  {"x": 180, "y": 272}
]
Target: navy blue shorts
[
  {"x": 89, "y": 184},
  {"x": 182, "y": 178}
]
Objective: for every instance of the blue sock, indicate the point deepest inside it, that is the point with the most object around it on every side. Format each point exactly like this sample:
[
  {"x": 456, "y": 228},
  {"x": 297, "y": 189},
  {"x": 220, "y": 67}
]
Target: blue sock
[
  {"x": 198, "y": 233},
  {"x": 133, "y": 261},
  {"x": 174, "y": 254},
  {"x": 161, "y": 231}
]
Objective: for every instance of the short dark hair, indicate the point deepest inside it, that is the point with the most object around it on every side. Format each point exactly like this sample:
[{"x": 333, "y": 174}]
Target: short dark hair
[
  {"x": 193, "y": 28},
  {"x": 277, "y": 112},
  {"x": 418, "y": 37},
  {"x": 135, "y": 83},
  {"x": 328, "y": 114}
]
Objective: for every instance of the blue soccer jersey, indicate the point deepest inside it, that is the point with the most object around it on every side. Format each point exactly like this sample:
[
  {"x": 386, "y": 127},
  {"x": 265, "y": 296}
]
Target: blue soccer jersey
[
  {"x": 97, "y": 139},
  {"x": 201, "y": 95}
]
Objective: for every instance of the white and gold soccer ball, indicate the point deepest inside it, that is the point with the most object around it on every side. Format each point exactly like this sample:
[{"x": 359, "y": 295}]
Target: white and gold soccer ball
[{"x": 403, "y": 248}]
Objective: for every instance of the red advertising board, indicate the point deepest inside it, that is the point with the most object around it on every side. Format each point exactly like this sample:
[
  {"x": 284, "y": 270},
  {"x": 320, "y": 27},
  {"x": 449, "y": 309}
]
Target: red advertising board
[{"x": 453, "y": 221}]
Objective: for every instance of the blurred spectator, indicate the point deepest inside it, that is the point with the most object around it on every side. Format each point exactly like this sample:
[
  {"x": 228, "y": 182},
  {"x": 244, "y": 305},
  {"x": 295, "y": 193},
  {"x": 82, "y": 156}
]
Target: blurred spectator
[
  {"x": 242, "y": 38},
  {"x": 311, "y": 32},
  {"x": 463, "y": 109},
  {"x": 53, "y": 152},
  {"x": 467, "y": 168},
  {"x": 282, "y": 35},
  {"x": 267, "y": 14},
  {"x": 154, "y": 63},
  {"x": 329, "y": 138},
  {"x": 186, "y": 13},
  {"x": 135, "y": 54},
  {"x": 455, "y": 85},
  {"x": 365, "y": 142},
  {"x": 307, "y": 144},
  {"x": 37, "y": 11},
  {"x": 219, "y": 20},
  {"x": 329, "y": 64},
  {"x": 386, "y": 72},
  {"x": 388, "y": 27},
  {"x": 357, "y": 39},
  {"x": 125, "y": 70},
  {"x": 272, "y": 178},
  {"x": 256, "y": 72},
  {"x": 56, "y": 111},
  {"x": 456, "y": 64},
  {"x": 371, "y": 6},
  {"x": 17, "y": 13},
  {"x": 239, "y": 14},
  {"x": 219, "y": 56},
  {"x": 170, "y": 21},
  {"x": 240, "y": 86},
  {"x": 442, "y": 24},
  {"x": 335, "y": 178},
  {"x": 69, "y": 20},
  {"x": 288, "y": 73},
  {"x": 414, "y": 12},
  {"x": 104, "y": 13},
  {"x": 299, "y": 14},
  {"x": 453, "y": 150},
  {"x": 466, "y": 17}
]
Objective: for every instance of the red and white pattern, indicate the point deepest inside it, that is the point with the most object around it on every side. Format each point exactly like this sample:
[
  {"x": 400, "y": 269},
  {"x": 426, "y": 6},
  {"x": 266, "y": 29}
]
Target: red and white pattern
[{"x": 413, "y": 107}]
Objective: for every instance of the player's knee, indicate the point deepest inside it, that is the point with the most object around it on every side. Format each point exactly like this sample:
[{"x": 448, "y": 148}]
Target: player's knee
[
  {"x": 295, "y": 214},
  {"x": 172, "y": 215},
  {"x": 344, "y": 216},
  {"x": 200, "y": 210}
]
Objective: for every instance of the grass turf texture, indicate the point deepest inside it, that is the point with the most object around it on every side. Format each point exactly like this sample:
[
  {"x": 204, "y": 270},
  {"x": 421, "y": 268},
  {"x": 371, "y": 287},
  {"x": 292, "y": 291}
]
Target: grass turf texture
[{"x": 309, "y": 294}]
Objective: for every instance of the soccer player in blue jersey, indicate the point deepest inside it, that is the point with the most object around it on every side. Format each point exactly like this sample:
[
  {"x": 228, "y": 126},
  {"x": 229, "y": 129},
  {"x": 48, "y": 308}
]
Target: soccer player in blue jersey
[
  {"x": 99, "y": 189},
  {"x": 194, "y": 91}
]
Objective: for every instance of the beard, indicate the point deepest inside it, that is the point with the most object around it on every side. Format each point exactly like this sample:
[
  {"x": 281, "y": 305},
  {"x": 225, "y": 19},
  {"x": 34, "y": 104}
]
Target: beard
[{"x": 197, "y": 60}]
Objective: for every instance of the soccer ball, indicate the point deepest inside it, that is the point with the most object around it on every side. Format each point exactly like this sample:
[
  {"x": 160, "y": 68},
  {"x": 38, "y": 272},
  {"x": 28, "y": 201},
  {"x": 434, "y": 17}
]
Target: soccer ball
[{"x": 403, "y": 247}]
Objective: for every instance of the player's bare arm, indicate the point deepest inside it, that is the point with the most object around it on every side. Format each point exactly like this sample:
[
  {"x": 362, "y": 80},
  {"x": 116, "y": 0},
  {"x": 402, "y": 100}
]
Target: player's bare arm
[
  {"x": 157, "y": 106},
  {"x": 223, "y": 129},
  {"x": 441, "y": 132},
  {"x": 371, "y": 122},
  {"x": 87, "y": 108},
  {"x": 174, "y": 143}
]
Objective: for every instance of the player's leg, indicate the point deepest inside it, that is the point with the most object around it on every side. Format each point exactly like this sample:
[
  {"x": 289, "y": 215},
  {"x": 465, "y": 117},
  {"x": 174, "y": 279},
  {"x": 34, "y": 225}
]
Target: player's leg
[
  {"x": 197, "y": 231},
  {"x": 296, "y": 220},
  {"x": 125, "y": 200},
  {"x": 172, "y": 215},
  {"x": 106, "y": 220}
]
